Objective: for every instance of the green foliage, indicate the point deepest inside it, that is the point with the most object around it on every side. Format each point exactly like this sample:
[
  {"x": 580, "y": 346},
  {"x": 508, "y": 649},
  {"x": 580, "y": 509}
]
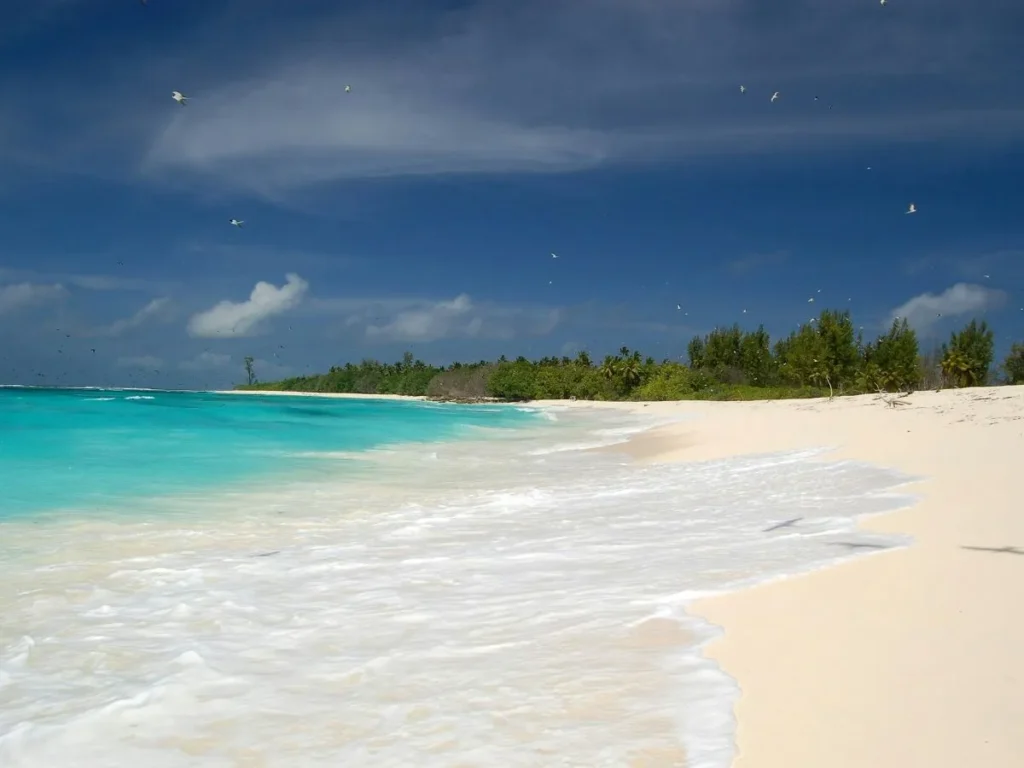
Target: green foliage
[
  {"x": 892, "y": 363},
  {"x": 1013, "y": 365},
  {"x": 670, "y": 381},
  {"x": 968, "y": 356},
  {"x": 821, "y": 357}
]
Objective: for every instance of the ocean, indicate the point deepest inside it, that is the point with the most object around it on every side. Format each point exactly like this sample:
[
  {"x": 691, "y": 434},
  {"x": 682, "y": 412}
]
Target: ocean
[{"x": 213, "y": 580}]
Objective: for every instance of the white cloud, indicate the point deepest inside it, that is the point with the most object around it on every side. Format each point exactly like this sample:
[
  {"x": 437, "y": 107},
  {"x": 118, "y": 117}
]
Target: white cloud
[
  {"x": 229, "y": 318},
  {"x": 424, "y": 320},
  {"x": 205, "y": 361},
  {"x": 922, "y": 312},
  {"x": 144, "y": 361},
  {"x": 560, "y": 85},
  {"x": 157, "y": 310},
  {"x": 21, "y": 295},
  {"x": 88, "y": 282}
]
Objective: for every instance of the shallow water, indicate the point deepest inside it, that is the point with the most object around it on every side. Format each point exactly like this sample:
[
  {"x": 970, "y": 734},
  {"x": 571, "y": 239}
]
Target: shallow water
[
  {"x": 92, "y": 448},
  {"x": 505, "y": 601}
]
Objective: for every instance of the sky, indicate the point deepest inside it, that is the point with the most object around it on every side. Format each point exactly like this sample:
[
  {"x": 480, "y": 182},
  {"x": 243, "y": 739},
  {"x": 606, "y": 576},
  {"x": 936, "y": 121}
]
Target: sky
[{"x": 420, "y": 210}]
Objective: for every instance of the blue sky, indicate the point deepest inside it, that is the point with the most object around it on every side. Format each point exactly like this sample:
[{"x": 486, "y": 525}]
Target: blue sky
[{"x": 420, "y": 210}]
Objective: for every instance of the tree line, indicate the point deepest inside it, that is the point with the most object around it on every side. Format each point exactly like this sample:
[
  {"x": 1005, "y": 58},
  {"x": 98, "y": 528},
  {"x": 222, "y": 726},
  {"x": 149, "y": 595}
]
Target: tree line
[{"x": 824, "y": 356}]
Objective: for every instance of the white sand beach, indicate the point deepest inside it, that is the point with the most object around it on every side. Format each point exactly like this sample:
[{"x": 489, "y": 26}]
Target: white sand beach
[{"x": 904, "y": 658}]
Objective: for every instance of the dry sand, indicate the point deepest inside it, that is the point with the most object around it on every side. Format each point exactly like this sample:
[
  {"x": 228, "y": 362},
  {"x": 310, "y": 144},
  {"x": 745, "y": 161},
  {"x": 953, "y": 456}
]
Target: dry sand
[{"x": 908, "y": 658}]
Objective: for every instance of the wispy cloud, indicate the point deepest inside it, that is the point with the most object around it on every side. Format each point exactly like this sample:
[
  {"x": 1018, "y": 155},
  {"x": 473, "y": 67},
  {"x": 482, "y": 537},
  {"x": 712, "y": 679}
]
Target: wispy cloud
[
  {"x": 995, "y": 265},
  {"x": 244, "y": 318},
  {"x": 157, "y": 310},
  {"x": 424, "y": 320},
  {"x": 21, "y": 295},
  {"x": 756, "y": 261},
  {"x": 926, "y": 310},
  {"x": 541, "y": 86},
  {"x": 89, "y": 282},
  {"x": 206, "y": 361}
]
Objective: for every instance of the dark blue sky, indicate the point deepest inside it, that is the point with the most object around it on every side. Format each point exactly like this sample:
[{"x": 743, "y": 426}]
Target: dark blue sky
[{"x": 420, "y": 210}]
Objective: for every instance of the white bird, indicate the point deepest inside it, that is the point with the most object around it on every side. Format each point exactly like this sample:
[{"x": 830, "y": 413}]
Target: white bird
[
  {"x": 678, "y": 307},
  {"x": 554, "y": 255},
  {"x": 237, "y": 222},
  {"x": 986, "y": 277},
  {"x": 348, "y": 88},
  {"x": 882, "y": 2},
  {"x": 179, "y": 97},
  {"x": 912, "y": 208},
  {"x": 775, "y": 96},
  {"x": 743, "y": 89},
  {"x": 810, "y": 300},
  {"x": 744, "y": 311}
]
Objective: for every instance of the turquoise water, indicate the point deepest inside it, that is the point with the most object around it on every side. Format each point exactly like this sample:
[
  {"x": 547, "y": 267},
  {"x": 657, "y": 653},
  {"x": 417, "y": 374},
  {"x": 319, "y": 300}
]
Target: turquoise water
[{"x": 74, "y": 449}]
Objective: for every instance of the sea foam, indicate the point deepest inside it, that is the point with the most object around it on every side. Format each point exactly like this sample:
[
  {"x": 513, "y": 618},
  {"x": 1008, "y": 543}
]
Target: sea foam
[{"x": 486, "y": 602}]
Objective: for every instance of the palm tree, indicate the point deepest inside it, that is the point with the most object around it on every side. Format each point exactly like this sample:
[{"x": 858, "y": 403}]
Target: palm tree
[
  {"x": 610, "y": 367},
  {"x": 957, "y": 368},
  {"x": 630, "y": 370}
]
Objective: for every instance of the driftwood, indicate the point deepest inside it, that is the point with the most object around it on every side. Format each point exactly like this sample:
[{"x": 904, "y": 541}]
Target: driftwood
[{"x": 893, "y": 401}]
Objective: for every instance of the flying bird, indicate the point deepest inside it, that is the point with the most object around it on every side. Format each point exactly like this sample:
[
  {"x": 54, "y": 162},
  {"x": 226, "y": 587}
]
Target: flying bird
[
  {"x": 348, "y": 88},
  {"x": 810, "y": 300},
  {"x": 743, "y": 89},
  {"x": 775, "y": 96},
  {"x": 912, "y": 208},
  {"x": 554, "y": 255},
  {"x": 882, "y": 2},
  {"x": 179, "y": 97},
  {"x": 237, "y": 223}
]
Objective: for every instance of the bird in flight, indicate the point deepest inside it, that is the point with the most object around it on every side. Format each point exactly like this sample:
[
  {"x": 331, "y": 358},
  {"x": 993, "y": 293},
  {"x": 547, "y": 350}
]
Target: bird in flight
[
  {"x": 237, "y": 223},
  {"x": 743, "y": 89},
  {"x": 179, "y": 97},
  {"x": 554, "y": 255},
  {"x": 912, "y": 208},
  {"x": 775, "y": 96},
  {"x": 348, "y": 88}
]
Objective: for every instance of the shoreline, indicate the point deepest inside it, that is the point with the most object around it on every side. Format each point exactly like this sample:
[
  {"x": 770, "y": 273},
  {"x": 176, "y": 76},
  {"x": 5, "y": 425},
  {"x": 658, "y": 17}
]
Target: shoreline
[
  {"x": 330, "y": 395},
  {"x": 905, "y": 659}
]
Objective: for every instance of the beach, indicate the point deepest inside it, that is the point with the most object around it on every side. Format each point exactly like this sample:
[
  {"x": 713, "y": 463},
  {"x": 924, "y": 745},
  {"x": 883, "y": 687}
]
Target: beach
[
  {"x": 515, "y": 585},
  {"x": 910, "y": 657}
]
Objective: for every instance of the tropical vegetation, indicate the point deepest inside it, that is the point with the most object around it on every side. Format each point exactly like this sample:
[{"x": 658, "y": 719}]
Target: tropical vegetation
[{"x": 823, "y": 357}]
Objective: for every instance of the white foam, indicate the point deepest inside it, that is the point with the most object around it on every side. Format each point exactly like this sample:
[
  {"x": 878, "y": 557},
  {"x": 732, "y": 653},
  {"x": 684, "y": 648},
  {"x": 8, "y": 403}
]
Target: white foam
[{"x": 486, "y": 605}]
